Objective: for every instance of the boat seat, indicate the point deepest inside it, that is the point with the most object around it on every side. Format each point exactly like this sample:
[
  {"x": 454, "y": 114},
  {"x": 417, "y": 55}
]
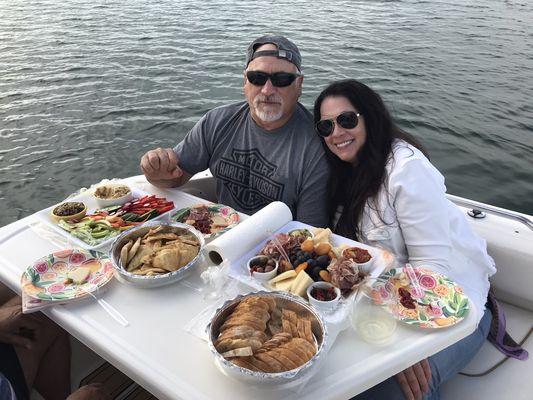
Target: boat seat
[{"x": 508, "y": 381}]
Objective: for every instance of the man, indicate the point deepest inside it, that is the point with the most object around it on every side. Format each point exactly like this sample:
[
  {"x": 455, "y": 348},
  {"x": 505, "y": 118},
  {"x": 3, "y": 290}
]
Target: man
[
  {"x": 35, "y": 353},
  {"x": 259, "y": 151}
]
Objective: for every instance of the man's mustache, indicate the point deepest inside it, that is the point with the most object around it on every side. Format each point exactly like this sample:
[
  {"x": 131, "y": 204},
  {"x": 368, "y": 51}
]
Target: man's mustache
[{"x": 273, "y": 98}]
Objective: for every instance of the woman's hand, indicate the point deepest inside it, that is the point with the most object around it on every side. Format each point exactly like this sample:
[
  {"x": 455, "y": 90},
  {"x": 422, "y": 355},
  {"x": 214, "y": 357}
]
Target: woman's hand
[
  {"x": 16, "y": 328},
  {"x": 414, "y": 380}
]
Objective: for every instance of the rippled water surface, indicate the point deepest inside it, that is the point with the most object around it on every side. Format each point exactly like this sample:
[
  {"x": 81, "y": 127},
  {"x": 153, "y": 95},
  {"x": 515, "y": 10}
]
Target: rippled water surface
[{"x": 86, "y": 87}]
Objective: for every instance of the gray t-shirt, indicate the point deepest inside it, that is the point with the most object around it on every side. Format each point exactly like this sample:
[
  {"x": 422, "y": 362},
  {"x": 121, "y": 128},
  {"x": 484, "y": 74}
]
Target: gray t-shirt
[{"x": 254, "y": 167}]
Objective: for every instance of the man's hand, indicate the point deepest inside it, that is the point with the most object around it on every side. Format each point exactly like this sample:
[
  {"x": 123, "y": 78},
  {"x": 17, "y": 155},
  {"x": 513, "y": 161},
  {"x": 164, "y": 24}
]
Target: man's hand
[
  {"x": 414, "y": 380},
  {"x": 16, "y": 328},
  {"x": 93, "y": 391},
  {"x": 160, "y": 166}
]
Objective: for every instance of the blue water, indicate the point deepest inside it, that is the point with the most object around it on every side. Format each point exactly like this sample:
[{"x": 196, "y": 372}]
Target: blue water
[{"x": 87, "y": 87}]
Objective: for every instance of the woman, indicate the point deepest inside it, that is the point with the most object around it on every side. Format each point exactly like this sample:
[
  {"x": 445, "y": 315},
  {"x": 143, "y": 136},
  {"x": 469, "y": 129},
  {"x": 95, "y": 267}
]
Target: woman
[{"x": 385, "y": 192}]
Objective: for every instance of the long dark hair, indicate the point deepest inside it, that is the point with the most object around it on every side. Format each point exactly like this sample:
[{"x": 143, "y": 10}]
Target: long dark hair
[{"x": 353, "y": 186}]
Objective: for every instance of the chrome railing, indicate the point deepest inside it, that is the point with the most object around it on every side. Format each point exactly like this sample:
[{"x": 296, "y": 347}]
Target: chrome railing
[{"x": 474, "y": 205}]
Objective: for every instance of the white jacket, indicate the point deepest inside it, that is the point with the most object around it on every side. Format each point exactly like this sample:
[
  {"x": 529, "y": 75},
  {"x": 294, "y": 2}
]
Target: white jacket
[{"x": 421, "y": 226}]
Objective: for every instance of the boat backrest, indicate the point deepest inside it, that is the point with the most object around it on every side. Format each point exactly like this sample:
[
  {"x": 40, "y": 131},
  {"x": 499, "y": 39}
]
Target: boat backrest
[{"x": 510, "y": 243}]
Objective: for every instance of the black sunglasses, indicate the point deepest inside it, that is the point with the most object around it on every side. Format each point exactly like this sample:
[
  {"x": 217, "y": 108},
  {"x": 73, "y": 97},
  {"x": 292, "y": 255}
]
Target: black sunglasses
[
  {"x": 278, "y": 79},
  {"x": 347, "y": 119}
]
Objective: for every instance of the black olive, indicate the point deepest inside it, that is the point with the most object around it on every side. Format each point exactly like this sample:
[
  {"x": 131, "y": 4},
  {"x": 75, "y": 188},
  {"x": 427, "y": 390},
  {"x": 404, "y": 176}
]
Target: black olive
[
  {"x": 315, "y": 273},
  {"x": 323, "y": 260},
  {"x": 311, "y": 263}
]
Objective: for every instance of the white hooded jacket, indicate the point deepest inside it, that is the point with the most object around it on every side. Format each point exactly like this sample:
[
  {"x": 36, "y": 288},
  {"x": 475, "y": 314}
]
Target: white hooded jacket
[{"x": 418, "y": 224}]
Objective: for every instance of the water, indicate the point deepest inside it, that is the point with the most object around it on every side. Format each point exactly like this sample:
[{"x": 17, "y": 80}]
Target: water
[
  {"x": 372, "y": 323},
  {"x": 87, "y": 87}
]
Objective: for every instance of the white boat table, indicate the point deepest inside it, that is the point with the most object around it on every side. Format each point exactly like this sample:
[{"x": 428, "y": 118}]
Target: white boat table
[{"x": 171, "y": 363}]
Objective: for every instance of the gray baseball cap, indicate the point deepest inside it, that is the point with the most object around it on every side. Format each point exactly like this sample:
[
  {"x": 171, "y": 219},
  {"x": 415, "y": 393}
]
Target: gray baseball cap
[{"x": 287, "y": 50}]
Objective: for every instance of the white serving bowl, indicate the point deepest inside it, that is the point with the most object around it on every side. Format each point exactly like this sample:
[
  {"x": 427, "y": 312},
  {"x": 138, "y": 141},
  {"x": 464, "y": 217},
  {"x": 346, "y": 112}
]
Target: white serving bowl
[
  {"x": 262, "y": 276},
  {"x": 107, "y": 202},
  {"x": 155, "y": 280},
  {"x": 323, "y": 305}
]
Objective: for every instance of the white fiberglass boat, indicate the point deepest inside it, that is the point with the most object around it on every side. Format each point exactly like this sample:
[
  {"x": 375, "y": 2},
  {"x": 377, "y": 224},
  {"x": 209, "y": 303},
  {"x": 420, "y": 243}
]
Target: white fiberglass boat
[{"x": 509, "y": 236}]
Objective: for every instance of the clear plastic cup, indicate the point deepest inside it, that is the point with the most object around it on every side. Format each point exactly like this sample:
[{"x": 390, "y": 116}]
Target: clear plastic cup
[{"x": 372, "y": 322}]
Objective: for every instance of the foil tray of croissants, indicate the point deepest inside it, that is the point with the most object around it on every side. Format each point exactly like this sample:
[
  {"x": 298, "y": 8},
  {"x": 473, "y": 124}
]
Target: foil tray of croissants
[{"x": 267, "y": 333}]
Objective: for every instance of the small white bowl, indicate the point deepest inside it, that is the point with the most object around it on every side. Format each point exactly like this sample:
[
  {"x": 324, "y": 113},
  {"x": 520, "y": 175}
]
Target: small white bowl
[
  {"x": 262, "y": 276},
  {"x": 107, "y": 202},
  {"x": 365, "y": 267},
  {"x": 323, "y": 305}
]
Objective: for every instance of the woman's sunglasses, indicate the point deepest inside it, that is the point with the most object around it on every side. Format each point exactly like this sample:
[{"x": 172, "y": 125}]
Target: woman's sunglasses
[
  {"x": 278, "y": 79},
  {"x": 347, "y": 120}
]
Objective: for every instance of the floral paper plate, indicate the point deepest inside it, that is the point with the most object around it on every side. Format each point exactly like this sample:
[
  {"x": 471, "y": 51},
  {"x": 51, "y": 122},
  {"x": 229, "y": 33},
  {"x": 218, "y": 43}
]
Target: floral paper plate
[
  {"x": 47, "y": 278},
  {"x": 220, "y": 213},
  {"x": 439, "y": 303}
]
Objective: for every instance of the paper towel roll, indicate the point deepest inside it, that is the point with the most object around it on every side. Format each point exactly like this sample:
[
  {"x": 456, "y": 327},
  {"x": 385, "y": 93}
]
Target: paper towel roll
[{"x": 236, "y": 242}]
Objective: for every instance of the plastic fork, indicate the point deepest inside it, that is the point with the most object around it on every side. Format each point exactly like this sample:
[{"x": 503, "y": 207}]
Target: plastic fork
[
  {"x": 412, "y": 278},
  {"x": 112, "y": 311}
]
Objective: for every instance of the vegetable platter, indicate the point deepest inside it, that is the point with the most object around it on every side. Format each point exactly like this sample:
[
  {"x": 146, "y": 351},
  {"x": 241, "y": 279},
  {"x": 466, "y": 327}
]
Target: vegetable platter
[{"x": 101, "y": 225}]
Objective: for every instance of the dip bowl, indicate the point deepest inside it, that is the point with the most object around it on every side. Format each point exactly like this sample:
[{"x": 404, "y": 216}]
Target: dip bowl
[
  {"x": 76, "y": 216},
  {"x": 112, "y": 201}
]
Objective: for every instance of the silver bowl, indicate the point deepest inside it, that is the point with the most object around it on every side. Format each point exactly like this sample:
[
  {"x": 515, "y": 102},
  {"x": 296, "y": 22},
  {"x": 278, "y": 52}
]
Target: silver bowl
[
  {"x": 284, "y": 300},
  {"x": 155, "y": 280}
]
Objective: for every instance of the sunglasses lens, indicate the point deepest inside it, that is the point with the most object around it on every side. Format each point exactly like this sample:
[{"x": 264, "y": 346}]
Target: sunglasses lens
[
  {"x": 324, "y": 127},
  {"x": 348, "y": 120},
  {"x": 282, "y": 79},
  {"x": 257, "y": 78},
  {"x": 278, "y": 79}
]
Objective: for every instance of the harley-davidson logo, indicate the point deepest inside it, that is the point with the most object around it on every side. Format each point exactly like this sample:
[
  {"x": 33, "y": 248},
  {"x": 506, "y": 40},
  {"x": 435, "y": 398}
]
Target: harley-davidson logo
[{"x": 248, "y": 176}]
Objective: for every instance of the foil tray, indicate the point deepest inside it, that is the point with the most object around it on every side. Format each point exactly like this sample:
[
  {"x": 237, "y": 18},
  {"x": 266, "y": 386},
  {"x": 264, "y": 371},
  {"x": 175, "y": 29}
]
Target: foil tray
[
  {"x": 283, "y": 300},
  {"x": 155, "y": 280}
]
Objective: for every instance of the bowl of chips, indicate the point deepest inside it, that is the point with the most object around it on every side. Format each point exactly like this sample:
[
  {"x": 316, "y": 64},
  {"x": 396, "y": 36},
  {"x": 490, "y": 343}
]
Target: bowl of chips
[{"x": 156, "y": 254}]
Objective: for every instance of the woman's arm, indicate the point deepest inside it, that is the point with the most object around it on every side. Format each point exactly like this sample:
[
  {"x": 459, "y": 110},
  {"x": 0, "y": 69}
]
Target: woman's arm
[{"x": 421, "y": 208}]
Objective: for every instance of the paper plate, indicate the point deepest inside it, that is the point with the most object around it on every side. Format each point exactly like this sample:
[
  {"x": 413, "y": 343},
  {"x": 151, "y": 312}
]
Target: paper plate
[
  {"x": 227, "y": 213},
  {"x": 46, "y": 279},
  {"x": 439, "y": 303}
]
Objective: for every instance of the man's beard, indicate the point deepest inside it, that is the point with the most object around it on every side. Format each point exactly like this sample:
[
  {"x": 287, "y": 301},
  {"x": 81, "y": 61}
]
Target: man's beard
[{"x": 268, "y": 113}]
